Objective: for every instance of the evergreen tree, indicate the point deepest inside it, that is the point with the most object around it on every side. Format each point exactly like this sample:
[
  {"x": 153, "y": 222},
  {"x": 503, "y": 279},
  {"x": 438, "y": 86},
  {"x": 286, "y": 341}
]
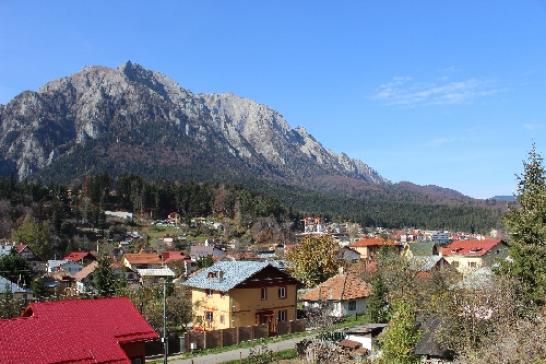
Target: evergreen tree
[
  {"x": 15, "y": 268},
  {"x": 399, "y": 340},
  {"x": 103, "y": 277},
  {"x": 38, "y": 288},
  {"x": 526, "y": 227},
  {"x": 377, "y": 304},
  {"x": 8, "y": 305}
]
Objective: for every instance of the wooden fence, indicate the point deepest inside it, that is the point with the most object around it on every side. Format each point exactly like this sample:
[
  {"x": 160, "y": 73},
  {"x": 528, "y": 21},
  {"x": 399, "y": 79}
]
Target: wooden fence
[{"x": 234, "y": 336}]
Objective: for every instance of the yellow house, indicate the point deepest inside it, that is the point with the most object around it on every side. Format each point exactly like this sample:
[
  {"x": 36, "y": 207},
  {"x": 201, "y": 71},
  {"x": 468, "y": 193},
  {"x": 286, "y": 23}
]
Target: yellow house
[
  {"x": 368, "y": 248},
  {"x": 242, "y": 293},
  {"x": 467, "y": 256}
]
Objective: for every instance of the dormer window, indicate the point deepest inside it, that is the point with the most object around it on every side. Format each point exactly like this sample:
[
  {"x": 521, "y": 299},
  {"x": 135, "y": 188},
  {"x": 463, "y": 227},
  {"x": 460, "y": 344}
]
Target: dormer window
[{"x": 212, "y": 275}]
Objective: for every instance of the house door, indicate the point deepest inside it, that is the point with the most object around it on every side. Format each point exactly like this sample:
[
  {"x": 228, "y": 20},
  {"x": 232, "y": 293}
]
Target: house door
[{"x": 266, "y": 318}]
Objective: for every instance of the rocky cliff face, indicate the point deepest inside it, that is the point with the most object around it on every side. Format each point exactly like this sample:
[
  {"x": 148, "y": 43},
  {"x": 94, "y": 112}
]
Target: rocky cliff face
[{"x": 125, "y": 116}]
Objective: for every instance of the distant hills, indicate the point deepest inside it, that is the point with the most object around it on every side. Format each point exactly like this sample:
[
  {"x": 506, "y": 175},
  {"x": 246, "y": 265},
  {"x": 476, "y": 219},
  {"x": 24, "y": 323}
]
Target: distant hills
[
  {"x": 133, "y": 120},
  {"x": 506, "y": 198}
]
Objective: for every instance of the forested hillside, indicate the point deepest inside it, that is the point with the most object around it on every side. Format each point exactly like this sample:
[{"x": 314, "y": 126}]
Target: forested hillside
[{"x": 52, "y": 212}]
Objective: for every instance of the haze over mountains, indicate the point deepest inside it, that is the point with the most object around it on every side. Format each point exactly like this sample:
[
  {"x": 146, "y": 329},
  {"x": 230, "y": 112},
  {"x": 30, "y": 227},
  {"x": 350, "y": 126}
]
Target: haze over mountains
[{"x": 132, "y": 120}]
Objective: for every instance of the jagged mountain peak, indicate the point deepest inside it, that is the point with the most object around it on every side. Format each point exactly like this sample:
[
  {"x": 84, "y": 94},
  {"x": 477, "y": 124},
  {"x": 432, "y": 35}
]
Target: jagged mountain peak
[{"x": 142, "y": 108}]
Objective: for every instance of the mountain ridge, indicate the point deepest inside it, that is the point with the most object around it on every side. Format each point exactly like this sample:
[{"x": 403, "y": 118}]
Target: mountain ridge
[
  {"x": 98, "y": 99},
  {"x": 130, "y": 119}
]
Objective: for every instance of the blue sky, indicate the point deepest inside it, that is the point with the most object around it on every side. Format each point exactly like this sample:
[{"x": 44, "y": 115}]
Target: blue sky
[{"x": 434, "y": 92}]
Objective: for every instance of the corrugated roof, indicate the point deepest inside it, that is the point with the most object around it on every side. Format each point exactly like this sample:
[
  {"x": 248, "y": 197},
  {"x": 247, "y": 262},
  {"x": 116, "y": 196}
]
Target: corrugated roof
[
  {"x": 73, "y": 331},
  {"x": 158, "y": 272},
  {"x": 233, "y": 273}
]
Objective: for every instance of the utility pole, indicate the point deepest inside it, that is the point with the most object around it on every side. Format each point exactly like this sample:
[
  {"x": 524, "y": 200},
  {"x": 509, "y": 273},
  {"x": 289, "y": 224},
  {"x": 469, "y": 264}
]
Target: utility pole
[{"x": 165, "y": 341}]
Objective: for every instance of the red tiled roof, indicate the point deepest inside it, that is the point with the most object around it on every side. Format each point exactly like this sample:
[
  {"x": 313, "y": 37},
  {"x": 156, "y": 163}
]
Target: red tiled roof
[
  {"x": 170, "y": 256},
  {"x": 470, "y": 248},
  {"x": 79, "y": 256},
  {"x": 340, "y": 287},
  {"x": 373, "y": 242},
  {"x": 73, "y": 331}
]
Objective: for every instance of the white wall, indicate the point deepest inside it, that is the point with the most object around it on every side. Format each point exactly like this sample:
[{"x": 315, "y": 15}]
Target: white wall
[
  {"x": 341, "y": 308},
  {"x": 365, "y": 340}
]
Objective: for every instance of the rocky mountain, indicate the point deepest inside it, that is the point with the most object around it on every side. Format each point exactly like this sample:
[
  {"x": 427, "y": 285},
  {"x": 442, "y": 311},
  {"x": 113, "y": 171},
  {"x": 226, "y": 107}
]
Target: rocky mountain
[
  {"x": 130, "y": 117},
  {"x": 133, "y": 120}
]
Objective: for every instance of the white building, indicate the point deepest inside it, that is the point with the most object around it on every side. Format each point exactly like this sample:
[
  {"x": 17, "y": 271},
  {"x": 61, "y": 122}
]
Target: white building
[
  {"x": 366, "y": 335},
  {"x": 63, "y": 265},
  {"x": 124, "y": 215}
]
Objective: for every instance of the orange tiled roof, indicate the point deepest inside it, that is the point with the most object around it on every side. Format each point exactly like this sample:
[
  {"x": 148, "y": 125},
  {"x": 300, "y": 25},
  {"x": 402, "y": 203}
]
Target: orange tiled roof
[
  {"x": 373, "y": 242},
  {"x": 169, "y": 256},
  {"x": 340, "y": 287},
  {"x": 143, "y": 258},
  {"x": 470, "y": 248}
]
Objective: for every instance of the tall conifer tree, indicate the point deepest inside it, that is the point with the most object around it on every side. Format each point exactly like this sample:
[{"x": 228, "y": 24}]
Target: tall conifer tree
[{"x": 526, "y": 227}]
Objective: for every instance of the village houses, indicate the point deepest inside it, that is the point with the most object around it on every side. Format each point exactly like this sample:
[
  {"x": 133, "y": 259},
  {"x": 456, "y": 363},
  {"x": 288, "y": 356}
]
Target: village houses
[
  {"x": 344, "y": 294},
  {"x": 368, "y": 248},
  {"x": 469, "y": 255},
  {"x": 242, "y": 293}
]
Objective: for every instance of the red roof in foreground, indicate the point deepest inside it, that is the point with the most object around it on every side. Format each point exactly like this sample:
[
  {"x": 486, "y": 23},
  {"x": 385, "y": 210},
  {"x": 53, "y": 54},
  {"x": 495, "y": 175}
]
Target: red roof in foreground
[
  {"x": 73, "y": 331},
  {"x": 373, "y": 242},
  {"x": 470, "y": 248}
]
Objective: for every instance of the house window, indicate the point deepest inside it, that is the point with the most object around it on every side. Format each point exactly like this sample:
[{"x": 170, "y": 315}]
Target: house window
[
  {"x": 222, "y": 319},
  {"x": 263, "y": 294},
  {"x": 352, "y": 305},
  {"x": 472, "y": 264},
  {"x": 209, "y": 316},
  {"x": 209, "y": 292},
  {"x": 281, "y": 315},
  {"x": 455, "y": 264},
  {"x": 282, "y": 292}
]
